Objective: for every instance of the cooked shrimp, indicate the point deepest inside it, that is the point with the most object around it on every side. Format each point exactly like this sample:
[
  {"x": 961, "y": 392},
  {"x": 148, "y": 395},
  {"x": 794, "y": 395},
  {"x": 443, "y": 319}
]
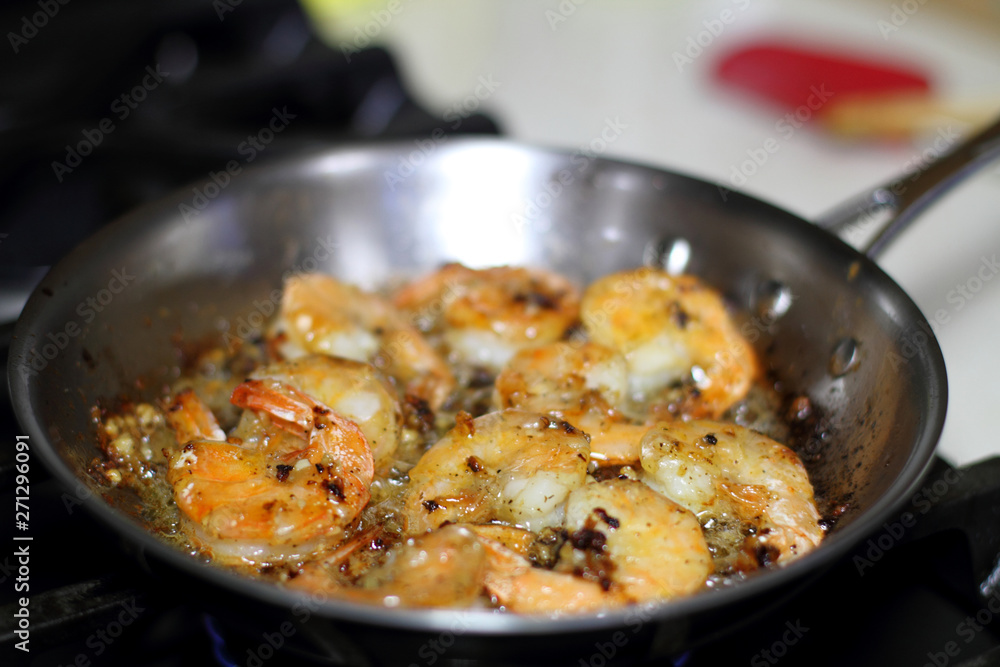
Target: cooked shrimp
[
  {"x": 511, "y": 466},
  {"x": 352, "y": 389},
  {"x": 517, "y": 540},
  {"x": 626, "y": 544},
  {"x": 564, "y": 377},
  {"x": 671, "y": 329},
  {"x": 487, "y": 315},
  {"x": 626, "y": 536},
  {"x": 585, "y": 384},
  {"x": 289, "y": 486},
  {"x": 320, "y": 314},
  {"x": 516, "y": 585},
  {"x": 445, "y": 568},
  {"x": 720, "y": 471},
  {"x": 613, "y": 440},
  {"x": 191, "y": 419}
]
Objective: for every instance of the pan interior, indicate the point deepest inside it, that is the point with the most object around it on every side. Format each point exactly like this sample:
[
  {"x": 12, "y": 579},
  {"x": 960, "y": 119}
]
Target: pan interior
[{"x": 828, "y": 323}]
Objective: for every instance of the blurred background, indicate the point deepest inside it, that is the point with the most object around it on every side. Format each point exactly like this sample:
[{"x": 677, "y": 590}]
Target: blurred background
[
  {"x": 724, "y": 90},
  {"x": 106, "y": 104}
]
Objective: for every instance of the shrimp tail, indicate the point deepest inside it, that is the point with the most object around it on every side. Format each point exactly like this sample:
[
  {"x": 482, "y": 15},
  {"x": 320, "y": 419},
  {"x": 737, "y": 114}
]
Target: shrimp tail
[
  {"x": 299, "y": 414},
  {"x": 288, "y": 407},
  {"x": 191, "y": 419}
]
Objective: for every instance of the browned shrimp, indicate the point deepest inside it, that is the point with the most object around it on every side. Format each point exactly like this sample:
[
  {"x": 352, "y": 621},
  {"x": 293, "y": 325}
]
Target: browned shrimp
[
  {"x": 671, "y": 330},
  {"x": 715, "y": 468},
  {"x": 511, "y": 466},
  {"x": 487, "y": 315},
  {"x": 320, "y": 314},
  {"x": 291, "y": 486}
]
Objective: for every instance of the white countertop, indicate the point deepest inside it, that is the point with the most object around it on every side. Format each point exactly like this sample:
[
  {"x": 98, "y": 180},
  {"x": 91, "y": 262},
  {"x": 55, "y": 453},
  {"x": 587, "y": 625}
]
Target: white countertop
[{"x": 557, "y": 82}]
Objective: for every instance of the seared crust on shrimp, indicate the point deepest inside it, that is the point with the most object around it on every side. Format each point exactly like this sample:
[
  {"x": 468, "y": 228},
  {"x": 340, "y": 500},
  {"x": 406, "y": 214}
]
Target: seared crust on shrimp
[
  {"x": 321, "y": 314},
  {"x": 352, "y": 389},
  {"x": 487, "y": 315},
  {"x": 671, "y": 329},
  {"x": 564, "y": 377},
  {"x": 626, "y": 536},
  {"x": 191, "y": 419},
  {"x": 289, "y": 488},
  {"x": 722, "y": 471},
  {"x": 516, "y": 585},
  {"x": 444, "y": 568},
  {"x": 512, "y": 466}
]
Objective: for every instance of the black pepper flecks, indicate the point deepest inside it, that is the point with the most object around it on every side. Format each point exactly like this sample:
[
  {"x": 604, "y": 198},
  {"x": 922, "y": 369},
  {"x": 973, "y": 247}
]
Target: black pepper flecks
[
  {"x": 430, "y": 505},
  {"x": 334, "y": 487},
  {"x": 606, "y": 518}
]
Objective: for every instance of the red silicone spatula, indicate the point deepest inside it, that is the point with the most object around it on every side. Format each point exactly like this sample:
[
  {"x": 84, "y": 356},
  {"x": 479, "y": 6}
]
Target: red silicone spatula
[{"x": 792, "y": 76}]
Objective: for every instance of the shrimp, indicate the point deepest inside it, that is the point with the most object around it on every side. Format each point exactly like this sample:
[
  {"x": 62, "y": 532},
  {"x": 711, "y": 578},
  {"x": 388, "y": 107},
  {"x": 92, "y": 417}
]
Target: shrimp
[
  {"x": 583, "y": 383},
  {"x": 488, "y": 315},
  {"x": 517, "y": 540},
  {"x": 518, "y": 586},
  {"x": 723, "y": 472},
  {"x": 191, "y": 419},
  {"x": 626, "y": 544},
  {"x": 320, "y": 314},
  {"x": 290, "y": 486},
  {"x": 671, "y": 329},
  {"x": 352, "y": 389},
  {"x": 445, "y": 568},
  {"x": 512, "y": 466},
  {"x": 627, "y": 537},
  {"x": 564, "y": 377}
]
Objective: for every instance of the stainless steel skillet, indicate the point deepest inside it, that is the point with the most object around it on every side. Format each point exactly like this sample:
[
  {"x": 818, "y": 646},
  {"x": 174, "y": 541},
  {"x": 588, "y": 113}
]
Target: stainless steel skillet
[{"x": 208, "y": 260}]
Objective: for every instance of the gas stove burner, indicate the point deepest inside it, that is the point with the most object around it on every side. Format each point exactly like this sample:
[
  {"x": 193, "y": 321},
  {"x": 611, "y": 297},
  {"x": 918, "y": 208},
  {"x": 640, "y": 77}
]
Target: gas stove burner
[{"x": 220, "y": 650}]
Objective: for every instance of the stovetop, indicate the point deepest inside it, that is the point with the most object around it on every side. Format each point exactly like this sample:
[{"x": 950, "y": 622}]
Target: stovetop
[{"x": 120, "y": 104}]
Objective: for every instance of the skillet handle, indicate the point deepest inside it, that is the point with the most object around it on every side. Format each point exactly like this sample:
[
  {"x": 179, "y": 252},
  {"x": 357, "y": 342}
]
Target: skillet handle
[{"x": 905, "y": 197}]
